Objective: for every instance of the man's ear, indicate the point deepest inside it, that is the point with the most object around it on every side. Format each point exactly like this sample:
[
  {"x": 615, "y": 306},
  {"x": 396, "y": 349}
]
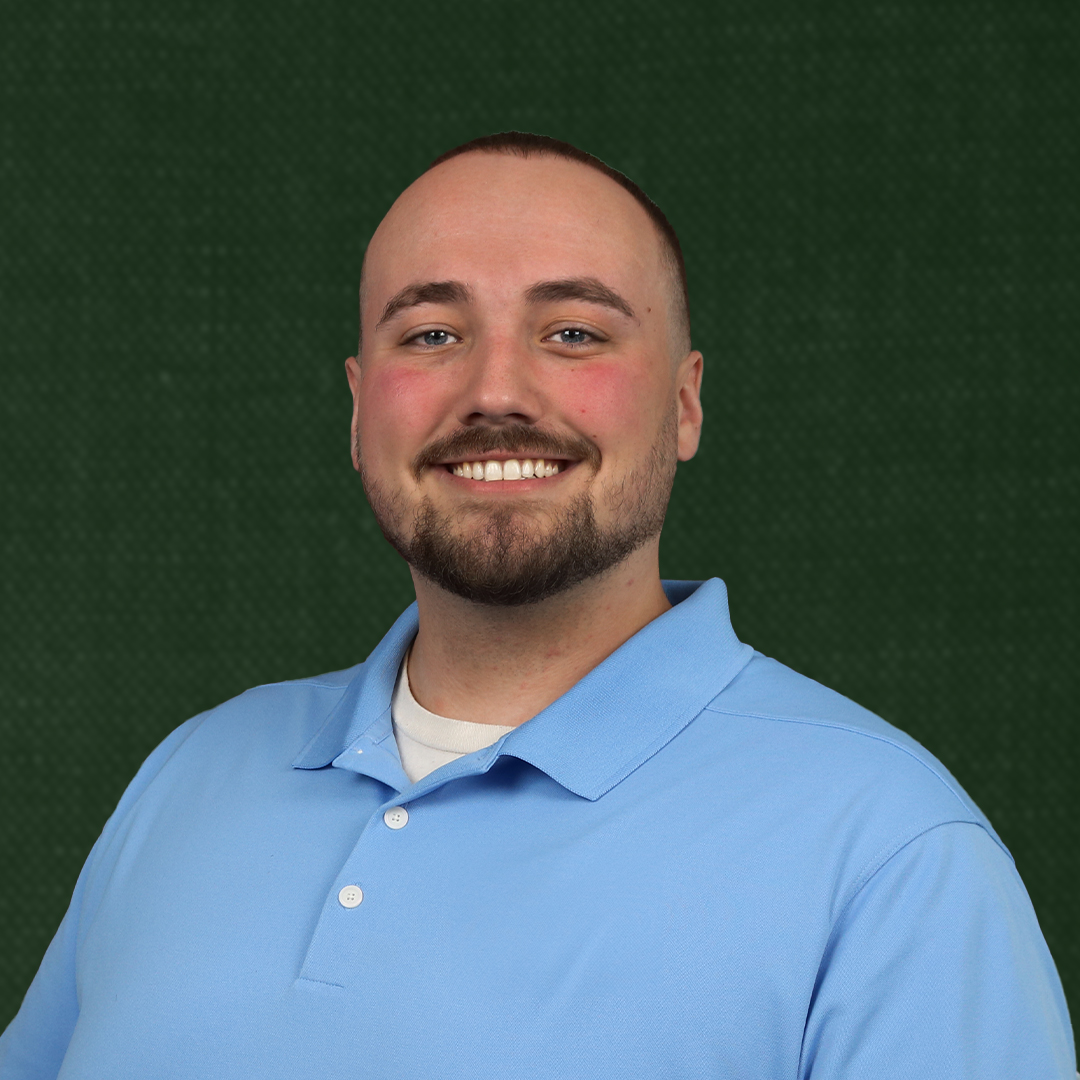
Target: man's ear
[
  {"x": 688, "y": 385},
  {"x": 353, "y": 373}
]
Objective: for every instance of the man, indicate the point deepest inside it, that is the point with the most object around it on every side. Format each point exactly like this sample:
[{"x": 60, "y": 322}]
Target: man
[{"x": 561, "y": 822}]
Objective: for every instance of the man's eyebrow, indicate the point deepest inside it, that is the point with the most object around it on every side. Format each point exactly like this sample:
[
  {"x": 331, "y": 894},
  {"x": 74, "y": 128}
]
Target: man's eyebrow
[
  {"x": 425, "y": 292},
  {"x": 589, "y": 289}
]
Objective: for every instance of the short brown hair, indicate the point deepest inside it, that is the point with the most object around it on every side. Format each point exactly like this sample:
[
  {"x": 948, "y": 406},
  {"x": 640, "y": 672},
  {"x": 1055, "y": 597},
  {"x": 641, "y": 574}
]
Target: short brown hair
[{"x": 524, "y": 144}]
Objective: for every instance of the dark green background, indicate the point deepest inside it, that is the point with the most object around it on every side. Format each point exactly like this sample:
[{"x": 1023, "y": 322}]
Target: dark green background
[{"x": 878, "y": 203}]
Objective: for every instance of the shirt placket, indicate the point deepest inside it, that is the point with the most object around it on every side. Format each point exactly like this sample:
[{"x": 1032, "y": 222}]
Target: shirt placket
[{"x": 357, "y": 910}]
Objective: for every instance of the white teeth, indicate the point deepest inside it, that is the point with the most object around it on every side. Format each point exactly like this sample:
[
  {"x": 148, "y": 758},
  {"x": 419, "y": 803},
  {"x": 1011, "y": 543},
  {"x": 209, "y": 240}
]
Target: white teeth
[{"x": 513, "y": 469}]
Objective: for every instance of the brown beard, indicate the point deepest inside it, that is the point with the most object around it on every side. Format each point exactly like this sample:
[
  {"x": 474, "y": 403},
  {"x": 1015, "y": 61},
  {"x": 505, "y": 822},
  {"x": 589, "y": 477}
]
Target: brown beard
[{"x": 510, "y": 558}]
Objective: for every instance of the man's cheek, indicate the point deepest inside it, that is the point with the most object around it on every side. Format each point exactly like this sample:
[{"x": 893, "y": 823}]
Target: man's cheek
[
  {"x": 395, "y": 401},
  {"x": 608, "y": 398}
]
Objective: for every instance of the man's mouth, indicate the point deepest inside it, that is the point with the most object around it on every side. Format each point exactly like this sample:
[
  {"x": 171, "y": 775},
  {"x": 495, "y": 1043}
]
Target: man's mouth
[
  {"x": 488, "y": 469},
  {"x": 514, "y": 452}
]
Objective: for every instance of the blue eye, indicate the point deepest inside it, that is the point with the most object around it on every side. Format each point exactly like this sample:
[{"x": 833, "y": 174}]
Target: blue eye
[
  {"x": 572, "y": 335},
  {"x": 435, "y": 337}
]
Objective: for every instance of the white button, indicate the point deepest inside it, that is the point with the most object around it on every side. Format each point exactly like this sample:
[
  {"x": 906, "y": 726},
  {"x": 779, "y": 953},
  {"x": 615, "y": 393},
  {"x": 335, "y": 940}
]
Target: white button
[
  {"x": 350, "y": 896},
  {"x": 397, "y": 817}
]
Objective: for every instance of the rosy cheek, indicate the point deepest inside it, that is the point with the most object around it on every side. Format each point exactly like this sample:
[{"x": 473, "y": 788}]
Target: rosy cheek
[
  {"x": 603, "y": 398},
  {"x": 398, "y": 406}
]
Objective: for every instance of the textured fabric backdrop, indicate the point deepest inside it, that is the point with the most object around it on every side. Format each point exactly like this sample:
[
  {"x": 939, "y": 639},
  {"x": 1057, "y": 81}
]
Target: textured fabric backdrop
[{"x": 878, "y": 202}]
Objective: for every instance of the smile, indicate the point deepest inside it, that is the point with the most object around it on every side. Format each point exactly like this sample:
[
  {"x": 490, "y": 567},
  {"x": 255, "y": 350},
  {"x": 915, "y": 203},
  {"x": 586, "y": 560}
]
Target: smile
[{"x": 513, "y": 469}]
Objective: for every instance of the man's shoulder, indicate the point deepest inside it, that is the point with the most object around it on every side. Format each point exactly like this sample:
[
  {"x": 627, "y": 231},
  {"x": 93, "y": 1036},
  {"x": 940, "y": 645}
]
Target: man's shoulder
[
  {"x": 220, "y": 753},
  {"x": 289, "y": 693},
  {"x": 276, "y": 709},
  {"x": 769, "y": 690},
  {"x": 812, "y": 743},
  {"x": 264, "y": 726}
]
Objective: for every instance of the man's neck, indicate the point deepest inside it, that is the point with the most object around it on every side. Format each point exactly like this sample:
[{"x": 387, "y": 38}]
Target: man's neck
[{"x": 503, "y": 665}]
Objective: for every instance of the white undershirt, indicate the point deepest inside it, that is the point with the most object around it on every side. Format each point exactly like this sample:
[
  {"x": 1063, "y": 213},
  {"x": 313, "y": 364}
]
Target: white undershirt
[{"x": 426, "y": 740}]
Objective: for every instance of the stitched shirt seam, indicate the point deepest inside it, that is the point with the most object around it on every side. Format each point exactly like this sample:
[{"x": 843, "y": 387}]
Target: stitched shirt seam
[{"x": 856, "y": 731}]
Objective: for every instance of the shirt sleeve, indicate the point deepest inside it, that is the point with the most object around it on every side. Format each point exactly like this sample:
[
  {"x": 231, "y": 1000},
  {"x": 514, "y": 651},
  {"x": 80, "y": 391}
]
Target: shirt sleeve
[
  {"x": 35, "y": 1043},
  {"x": 937, "y": 968}
]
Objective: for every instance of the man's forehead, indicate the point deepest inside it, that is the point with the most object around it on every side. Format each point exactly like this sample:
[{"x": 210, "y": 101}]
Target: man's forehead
[{"x": 529, "y": 211}]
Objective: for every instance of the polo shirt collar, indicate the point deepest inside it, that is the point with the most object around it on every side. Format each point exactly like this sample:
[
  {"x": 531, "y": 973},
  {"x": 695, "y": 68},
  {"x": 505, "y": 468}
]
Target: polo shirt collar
[{"x": 602, "y": 729}]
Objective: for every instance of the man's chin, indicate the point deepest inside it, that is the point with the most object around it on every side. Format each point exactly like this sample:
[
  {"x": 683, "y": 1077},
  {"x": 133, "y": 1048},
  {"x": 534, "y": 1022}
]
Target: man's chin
[
  {"x": 502, "y": 558},
  {"x": 510, "y": 558}
]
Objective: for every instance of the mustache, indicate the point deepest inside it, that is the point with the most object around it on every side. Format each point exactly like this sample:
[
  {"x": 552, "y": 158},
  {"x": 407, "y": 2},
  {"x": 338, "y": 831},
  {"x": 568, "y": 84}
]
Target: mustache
[{"x": 518, "y": 439}]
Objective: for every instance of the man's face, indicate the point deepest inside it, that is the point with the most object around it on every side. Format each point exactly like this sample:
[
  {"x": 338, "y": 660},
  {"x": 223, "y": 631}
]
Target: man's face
[{"x": 516, "y": 310}]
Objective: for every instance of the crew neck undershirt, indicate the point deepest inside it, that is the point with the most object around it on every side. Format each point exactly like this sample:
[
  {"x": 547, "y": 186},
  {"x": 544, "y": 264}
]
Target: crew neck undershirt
[{"x": 426, "y": 740}]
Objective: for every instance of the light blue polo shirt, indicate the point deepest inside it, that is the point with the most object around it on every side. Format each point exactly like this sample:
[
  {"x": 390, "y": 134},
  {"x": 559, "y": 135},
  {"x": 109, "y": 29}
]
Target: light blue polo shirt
[{"x": 696, "y": 863}]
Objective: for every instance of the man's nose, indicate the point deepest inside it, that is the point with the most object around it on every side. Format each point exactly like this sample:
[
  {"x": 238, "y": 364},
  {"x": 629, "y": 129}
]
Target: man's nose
[{"x": 500, "y": 383}]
